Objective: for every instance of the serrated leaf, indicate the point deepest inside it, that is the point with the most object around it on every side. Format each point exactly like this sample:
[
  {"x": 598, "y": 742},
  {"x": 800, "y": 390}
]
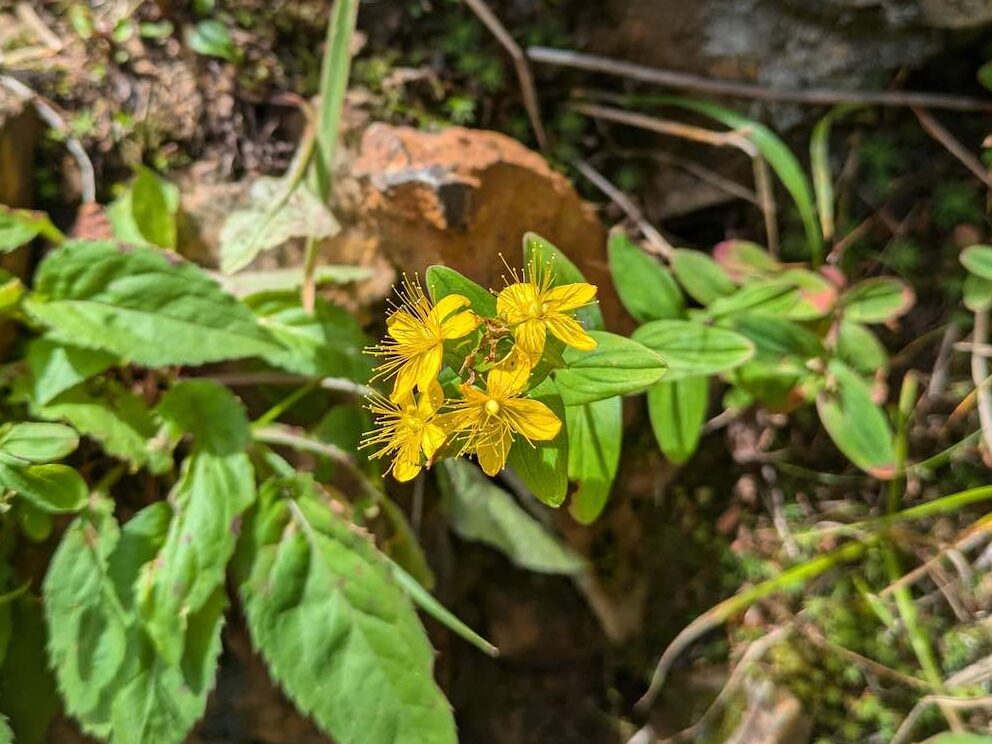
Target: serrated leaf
[
  {"x": 334, "y": 628},
  {"x": 540, "y": 252},
  {"x": 481, "y": 511},
  {"x": 248, "y": 283},
  {"x": 701, "y": 277},
  {"x": 442, "y": 281},
  {"x": 20, "y": 226},
  {"x": 692, "y": 349},
  {"x": 210, "y": 497},
  {"x": 143, "y": 306},
  {"x": 646, "y": 288},
  {"x": 543, "y": 466},
  {"x": 677, "y": 410},
  {"x": 116, "y": 418},
  {"x": 877, "y": 300},
  {"x": 858, "y": 347},
  {"x": 855, "y": 423},
  {"x": 209, "y": 412},
  {"x": 617, "y": 366},
  {"x": 56, "y": 489},
  {"x": 595, "y": 431},
  {"x": 270, "y": 220},
  {"x": 56, "y": 367},
  {"x": 978, "y": 260},
  {"x": 31, "y": 442},
  {"x": 326, "y": 343}
]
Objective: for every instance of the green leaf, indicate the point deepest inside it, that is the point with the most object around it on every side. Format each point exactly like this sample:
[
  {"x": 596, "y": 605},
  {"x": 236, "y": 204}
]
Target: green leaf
[
  {"x": 55, "y": 367},
  {"x": 11, "y": 293},
  {"x": 142, "y": 305},
  {"x": 617, "y": 366},
  {"x": 116, "y": 418},
  {"x": 212, "y": 38},
  {"x": 210, "y": 497},
  {"x": 595, "y": 431},
  {"x": 817, "y": 294},
  {"x": 333, "y": 626},
  {"x": 855, "y": 423},
  {"x": 20, "y": 226},
  {"x": 978, "y": 260},
  {"x": 646, "y": 288},
  {"x": 977, "y": 293},
  {"x": 962, "y": 738},
  {"x": 692, "y": 349},
  {"x": 481, "y": 511},
  {"x": 744, "y": 260},
  {"x": 154, "y": 206},
  {"x": 87, "y": 624},
  {"x": 270, "y": 220},
  {"x": 442, "y": 281},
  {"x": 775, "y": 337},
  {"x": 819, "y": 156},
  {"x": 860, "y": 349},
  {"x": 877, "y": 300},
  {"x": 781, "y": 159},
  {"x": 701, "y": 277},
  {"x": 326, "y": 343},
  {"x": 984, "y": 76},
  {"x": 539, "y": 252},
  {"x": 27, "y": 690},
  {"x": 248, "y": 283},
  {"x": 677, "y": 410},
  {"x": 543, "y": 466},
  {"x": 6, "y": 735},
  {"x": 55, "y": 489},
  {"x": 29, "y": 442},
  {"x": 210, "y": 412},
  {"x": 773, "y": 296}
]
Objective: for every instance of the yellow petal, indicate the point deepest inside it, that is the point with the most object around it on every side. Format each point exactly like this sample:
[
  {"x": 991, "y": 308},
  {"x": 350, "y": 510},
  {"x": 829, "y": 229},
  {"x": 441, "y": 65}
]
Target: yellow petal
[
  {"x": 514, "y": 303},
  {"x": 531, "y": 418},
  {"x": 432, "y": 439},
  {"x": 446, "y": 306},
  {"x": 571, "y": 332},
  {"x": 404, "y": 328},
  {"x": 530, "y": 336},
  {"x": 466, "y": 419},
  {"x": 507, "y": 382},
  {"x": 492, "y": 454},
  {"x": 569, "y": 296},
  {"x": 406, "y": 380},
  {"x": 419, "y": 371},
  {"x": 404, "y": 470},
  {"x": 459, "y": 324},
  {"x": 430, "y": 400}
]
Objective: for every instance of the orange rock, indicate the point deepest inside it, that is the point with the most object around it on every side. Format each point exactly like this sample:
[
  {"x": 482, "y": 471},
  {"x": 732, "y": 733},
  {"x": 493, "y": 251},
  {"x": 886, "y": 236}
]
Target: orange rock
[{"x": 461, "y": 197}]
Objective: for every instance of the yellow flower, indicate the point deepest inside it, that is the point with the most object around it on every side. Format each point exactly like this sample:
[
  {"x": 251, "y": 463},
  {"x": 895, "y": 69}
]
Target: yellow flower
[
  {"x": 533, "y": 307},
  {"x": 407, "y": 429},
  {"x": 417, "y": 332},
  {"x": 491, "y": 417}
]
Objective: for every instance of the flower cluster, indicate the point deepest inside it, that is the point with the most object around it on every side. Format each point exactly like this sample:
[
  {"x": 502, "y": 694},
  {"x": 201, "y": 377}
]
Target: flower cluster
[{"x": 484, "y": 363}]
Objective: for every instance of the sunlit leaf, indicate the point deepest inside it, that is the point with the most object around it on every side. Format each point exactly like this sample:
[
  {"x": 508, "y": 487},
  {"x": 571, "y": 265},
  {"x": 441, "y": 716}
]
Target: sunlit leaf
[
  {"x": 595, "y": 432},
  {"x": 877, "y": 300},
  {"x": 617, "y": 366},
  {"x": 692, "y": 349},
  {"x": 701, "y": 277},
  {"x": 543, "y": 466},
  {"x": 677, "y": 410},
  {"x": 646, "y": 288}
]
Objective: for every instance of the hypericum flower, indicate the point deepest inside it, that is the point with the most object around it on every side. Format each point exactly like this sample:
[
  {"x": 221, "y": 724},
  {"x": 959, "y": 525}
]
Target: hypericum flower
[
  {"x": 406, "y": 429},
  {"x": 417, "y": 332},
  {"x": 489, "y": 418},
  {"x": 533, "y": 307}
]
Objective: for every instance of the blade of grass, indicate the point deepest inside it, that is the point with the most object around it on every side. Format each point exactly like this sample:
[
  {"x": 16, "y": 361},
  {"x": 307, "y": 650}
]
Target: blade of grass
[{"x": 819, "y": 159}]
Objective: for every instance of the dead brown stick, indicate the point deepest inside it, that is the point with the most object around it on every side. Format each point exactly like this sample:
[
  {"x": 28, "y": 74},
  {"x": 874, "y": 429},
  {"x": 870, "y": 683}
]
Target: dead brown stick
[
  {"x": 656, "y": 241},
  {"x": 699, "y": 84},
  {"x": 937, "y": 130},
  {"x": 524, "y": 76},
  {"x": 945, "y": 701},
  {"x": 731, "y": 138}
]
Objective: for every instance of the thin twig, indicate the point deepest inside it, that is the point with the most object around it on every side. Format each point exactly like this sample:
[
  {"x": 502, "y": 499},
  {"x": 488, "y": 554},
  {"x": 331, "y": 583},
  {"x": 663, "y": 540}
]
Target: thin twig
[
  {"x": 938, "y": 378},
  {"x": 937, "y": 130},
  {"x": 699, "y": 84},
  {"x": 656, "y": 241},
  {"x": 53, "y": 118},
  {"x": 524, "y": 76},
  {"x": 699, "y": 171},
  {"x": 979, "y": 373},
  {"x": 945, "y": 701},
  {"x": 29, "y": 17},
  {"x": 243, "y": 379}
]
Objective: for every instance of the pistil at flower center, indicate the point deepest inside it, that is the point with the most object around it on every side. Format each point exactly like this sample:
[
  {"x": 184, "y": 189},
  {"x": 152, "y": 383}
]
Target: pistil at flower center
[
  {"x": 492, "y": 407},
  {"x": 535, "y": 309}
]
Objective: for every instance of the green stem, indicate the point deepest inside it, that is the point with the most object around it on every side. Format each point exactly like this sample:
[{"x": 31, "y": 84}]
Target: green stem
[{"x": 284, "y": 405}]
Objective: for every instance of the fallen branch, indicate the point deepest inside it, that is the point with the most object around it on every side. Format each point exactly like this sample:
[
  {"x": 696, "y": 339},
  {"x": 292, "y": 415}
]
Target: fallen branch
[
  {"x": 937, "y": 130},
  {"x": 699, "y": 84}
]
